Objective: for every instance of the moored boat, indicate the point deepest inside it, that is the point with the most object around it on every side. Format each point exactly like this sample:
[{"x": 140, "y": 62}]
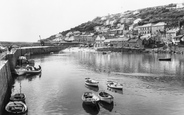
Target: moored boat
[
  {"x": 28, "y": 70},
  {"x": 33, "y": 70},
  {"x": 20, "y": 71},
  {"x": 18, "y": 97},
  {"x": 106, "y": 97},
  {"x": 91, "y": 82},
  {"x": 114, "y": 85},
  {"x": 164, "y": 59},
  {"x": 16, "y": 107},
  {"x": 120, "y": 91},
  {"x": 90, "y": 98}
]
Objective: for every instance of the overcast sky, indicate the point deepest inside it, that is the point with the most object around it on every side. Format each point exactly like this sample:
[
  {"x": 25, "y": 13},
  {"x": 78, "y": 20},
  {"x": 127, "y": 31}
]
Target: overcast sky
[{"x": 25, "y": 20}]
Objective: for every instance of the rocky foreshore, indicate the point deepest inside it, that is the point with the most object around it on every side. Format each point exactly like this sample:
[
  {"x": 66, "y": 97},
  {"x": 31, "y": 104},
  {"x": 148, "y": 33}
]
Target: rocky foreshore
[
  {"x": 129, "y": 50},
  {"x": 170, "y": 50}
]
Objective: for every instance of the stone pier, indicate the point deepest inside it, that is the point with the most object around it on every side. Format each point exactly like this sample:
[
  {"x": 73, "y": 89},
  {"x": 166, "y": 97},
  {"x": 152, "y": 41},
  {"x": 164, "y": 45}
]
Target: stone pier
[{"x": 8, "y": 63}]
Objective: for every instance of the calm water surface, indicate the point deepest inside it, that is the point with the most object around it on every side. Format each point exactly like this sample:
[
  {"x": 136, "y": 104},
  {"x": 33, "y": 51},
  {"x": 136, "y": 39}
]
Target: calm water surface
[{"x": 150, "y": 87}]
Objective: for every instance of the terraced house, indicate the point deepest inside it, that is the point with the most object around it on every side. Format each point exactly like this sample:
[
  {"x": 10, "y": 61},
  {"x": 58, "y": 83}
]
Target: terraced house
[{"x": 152, "y": 28}]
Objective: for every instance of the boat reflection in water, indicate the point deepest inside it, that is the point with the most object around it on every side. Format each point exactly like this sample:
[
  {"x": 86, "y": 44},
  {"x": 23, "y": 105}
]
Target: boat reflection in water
[
  {"x": 107, "y": 106},
  {"x": 92, "y": 109},
  {"x": 6, "y": 113},
  {"x": 28, "y": 77},
  {"x": 92, "y": 88},
  {"x": 120, "y": 91},
  {"x": 31, "y": 77}
]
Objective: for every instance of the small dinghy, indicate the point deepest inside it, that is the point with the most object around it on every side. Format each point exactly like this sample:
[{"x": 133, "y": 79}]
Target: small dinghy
[
  {"x": 120, "y": 91},
  {"x": 20, "y": 71},
  {"x": 90, "y": 98},
  {"x": 33, "y": 70},
  {"x": 28, "y": 70},
  {"x": 16, "y": 107},
  {"x": 91, "y": 82},
  {"x": 18, "y": 97},
  {"x": 164, "y": 59},
  {"x": 106, "y": 97},
  {"x": 114, "y": 85}
]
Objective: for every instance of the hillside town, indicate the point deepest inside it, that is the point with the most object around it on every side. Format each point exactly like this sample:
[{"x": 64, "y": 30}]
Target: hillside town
[{"x": 122, "y": 30}]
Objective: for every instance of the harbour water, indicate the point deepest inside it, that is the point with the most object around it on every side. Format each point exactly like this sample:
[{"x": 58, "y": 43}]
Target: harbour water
[{"x": 150, "y": 87}]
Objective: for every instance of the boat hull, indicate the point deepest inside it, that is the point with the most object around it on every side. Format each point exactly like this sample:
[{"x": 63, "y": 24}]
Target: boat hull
[
  {"x": 33, "y": 72},
  {"x": 106, "y": 97},
  {"x": 16, "y": 107},
  {"x": 27, "y": 70},
  {"x": 18, "y": 97},
  {"x": 91, "y": 82},
  {"x": 115, "y": 85},
  {"x": 90, "y": 98},
  {"x": 165, "y": 59},
  {"x": 20, "y": 71}
]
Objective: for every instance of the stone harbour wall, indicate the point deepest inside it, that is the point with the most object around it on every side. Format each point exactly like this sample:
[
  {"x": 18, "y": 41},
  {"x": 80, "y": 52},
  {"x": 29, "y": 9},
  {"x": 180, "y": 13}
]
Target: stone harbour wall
[{"x": 5, "y": 84}]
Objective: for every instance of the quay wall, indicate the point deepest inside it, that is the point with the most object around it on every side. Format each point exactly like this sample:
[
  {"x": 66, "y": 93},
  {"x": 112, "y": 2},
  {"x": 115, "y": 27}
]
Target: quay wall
[
  {"x": 5, "y": 84},
  {"x": 30, "y": 50}
]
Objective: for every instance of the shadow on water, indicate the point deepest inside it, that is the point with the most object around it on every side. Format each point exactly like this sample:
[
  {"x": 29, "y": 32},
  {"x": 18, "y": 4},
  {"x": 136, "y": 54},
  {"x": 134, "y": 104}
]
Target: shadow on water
[
  {"x": 92, "y": 88},
  {"x": 91, "y": 109},
  {"x": 6, "y": 113},
  {"x": 107, "y": 106},
  {"x": 115, "y": 90}
]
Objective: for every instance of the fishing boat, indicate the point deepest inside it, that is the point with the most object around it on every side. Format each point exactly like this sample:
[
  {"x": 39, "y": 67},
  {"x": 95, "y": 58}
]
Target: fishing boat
[
  {"x": 18, "y": 97},
  {"x": 20, "y": 71},
  {"x": 91, "y": 82},
  {"x": 22, "y": 60},
  {"x": 114, "y": 85},
  {"x": 16, "y": 107},
  {"x": 164, "y": 59},
  {"x": 28, "y": 70},
  {"x": 90, "y": 98},
  {"x": 120, "y": 91},
  {"x": 33, "y": 70},
  {"x": 106, "y": 97}
]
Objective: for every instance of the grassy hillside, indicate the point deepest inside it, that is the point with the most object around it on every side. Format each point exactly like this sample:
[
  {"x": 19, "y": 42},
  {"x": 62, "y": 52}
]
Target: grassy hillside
[{"x": 169, "y": 14}]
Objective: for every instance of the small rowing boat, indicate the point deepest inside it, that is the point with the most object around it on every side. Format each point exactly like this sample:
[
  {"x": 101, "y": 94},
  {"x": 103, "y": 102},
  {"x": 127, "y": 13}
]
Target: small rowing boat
[
  {"x": 16, "y": 107},
  {"x": 90, "y": 98},
  {"x": 18, "y": 97},
  {"x": 91, "y": 82},
  {"x": 106, "y": 97},
  {"x": 28, "y": 70},
  {"x": 164, "y": 59},
  {"x": 114, "y": 85}
]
